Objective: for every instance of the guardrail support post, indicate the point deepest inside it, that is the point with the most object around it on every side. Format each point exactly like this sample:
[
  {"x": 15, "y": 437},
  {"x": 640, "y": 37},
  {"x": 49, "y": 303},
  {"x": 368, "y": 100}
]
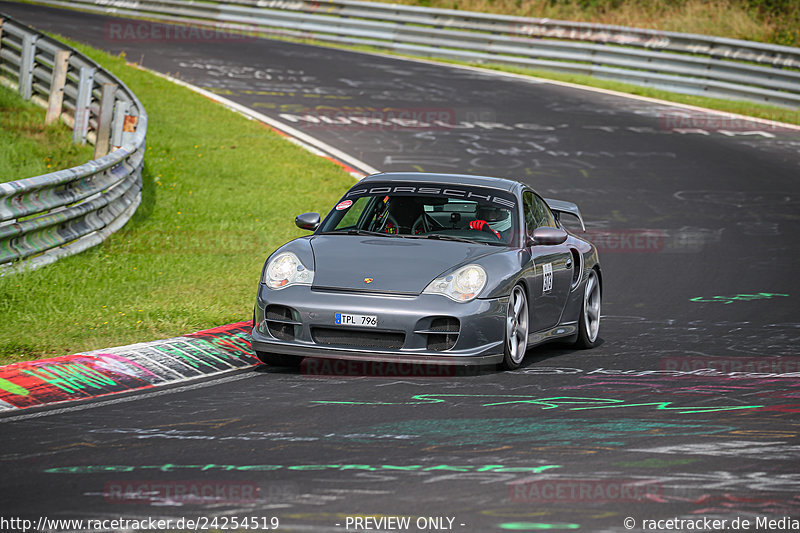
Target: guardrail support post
[
  {"x": 81, "y": 127},
  {"x": 56, "y": 100},
  {"x": 118, "y": 123},
  {"x": 107, "y": 98},
  {"x": 26, "y": 63}
]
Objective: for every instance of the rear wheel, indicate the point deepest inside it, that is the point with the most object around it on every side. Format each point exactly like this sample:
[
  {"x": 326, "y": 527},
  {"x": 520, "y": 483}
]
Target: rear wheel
[
  {"x": 589, "y": 323},
  {"x": 516, "y": 329},
  {"x": 277, "y": 359}
]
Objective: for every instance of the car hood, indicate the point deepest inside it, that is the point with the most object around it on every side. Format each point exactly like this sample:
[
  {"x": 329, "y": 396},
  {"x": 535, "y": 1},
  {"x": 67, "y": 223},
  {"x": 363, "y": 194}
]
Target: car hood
[{"x": 394, "y": 264}]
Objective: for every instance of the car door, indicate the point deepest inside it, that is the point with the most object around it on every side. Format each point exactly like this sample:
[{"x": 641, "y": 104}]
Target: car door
[{"x": 552, "y": 267}]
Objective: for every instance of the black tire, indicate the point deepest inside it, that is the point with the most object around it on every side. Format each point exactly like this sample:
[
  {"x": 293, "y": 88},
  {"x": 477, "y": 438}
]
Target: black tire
[
  {"x": 516, "y": 329},
  {"x": 276, "y": 359},
  {"x": 589, "y": 320}
]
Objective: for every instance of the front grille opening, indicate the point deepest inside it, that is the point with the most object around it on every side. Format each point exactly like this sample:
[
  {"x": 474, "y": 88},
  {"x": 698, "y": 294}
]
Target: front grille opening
[
  {"x": 281, "y": 322},
  {"x": 445, "y": 324},
  {"x": 279, "y": 313},
  {"x": 350, "y": 338},
  {"x": 443, "y": 333}
]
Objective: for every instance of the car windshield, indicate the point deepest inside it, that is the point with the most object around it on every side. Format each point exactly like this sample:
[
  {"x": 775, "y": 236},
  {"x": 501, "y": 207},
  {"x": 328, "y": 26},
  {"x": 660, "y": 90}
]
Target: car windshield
[{"x": 409, "y": 210}]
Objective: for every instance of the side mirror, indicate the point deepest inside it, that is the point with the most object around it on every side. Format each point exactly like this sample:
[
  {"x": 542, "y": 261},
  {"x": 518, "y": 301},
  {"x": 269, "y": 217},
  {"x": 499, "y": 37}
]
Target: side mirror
[
  {"x": 547, "y": 237},
  {"x": 309, "y": 221}
]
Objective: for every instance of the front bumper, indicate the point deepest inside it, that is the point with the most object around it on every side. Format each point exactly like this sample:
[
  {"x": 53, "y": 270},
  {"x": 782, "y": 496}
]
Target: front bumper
[{"x": 480, "y": 335}]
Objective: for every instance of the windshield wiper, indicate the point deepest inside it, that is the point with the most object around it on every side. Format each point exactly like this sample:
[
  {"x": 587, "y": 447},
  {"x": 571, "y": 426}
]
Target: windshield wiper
[
  {"x": 357, "y": 232},
  {"x": 440, "y": 237}
]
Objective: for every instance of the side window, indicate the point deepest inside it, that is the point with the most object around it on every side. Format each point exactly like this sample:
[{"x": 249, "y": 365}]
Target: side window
[
  {"x": 530, "y": 216},
  {"x": 544, "y": 217},
  {"x": 537, "y": 214}
]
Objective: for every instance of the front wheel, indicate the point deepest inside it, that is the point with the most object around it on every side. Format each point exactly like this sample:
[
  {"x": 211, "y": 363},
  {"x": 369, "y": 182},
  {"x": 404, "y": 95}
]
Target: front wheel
[
  {"x": 516, "y": 329},
  {"x": 277, "y": 359},
  {"x": 589, "y": 323}
]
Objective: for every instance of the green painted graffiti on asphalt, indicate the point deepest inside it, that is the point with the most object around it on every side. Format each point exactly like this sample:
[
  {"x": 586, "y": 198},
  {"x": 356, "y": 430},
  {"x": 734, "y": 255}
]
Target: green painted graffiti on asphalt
[
  {"x": 570, "y": 403},
  {"x": 737, "y": 298}
]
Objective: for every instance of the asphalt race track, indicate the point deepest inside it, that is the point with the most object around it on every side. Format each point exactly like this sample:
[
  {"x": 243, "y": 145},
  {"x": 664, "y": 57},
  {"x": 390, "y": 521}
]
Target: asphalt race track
[{"x": 697, "y": 223}]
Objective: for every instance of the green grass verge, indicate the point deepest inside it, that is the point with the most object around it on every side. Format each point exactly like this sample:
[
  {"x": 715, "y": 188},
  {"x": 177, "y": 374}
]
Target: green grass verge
[
  {"x": 220, "y": 193},
  {"x": 28, "y": 147}
]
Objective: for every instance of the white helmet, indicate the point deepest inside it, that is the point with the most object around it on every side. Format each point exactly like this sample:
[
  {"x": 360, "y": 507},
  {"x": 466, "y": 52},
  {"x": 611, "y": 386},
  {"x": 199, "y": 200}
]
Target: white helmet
[{"x": 499, "y": 218}]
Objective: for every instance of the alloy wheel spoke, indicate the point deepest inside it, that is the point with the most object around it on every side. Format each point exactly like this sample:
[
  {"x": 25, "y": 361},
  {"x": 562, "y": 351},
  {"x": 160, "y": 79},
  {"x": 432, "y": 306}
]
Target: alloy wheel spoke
[
  {"x": 590, "y": 286},
  {"x": 591, "y": 303},
  {"x": 517, "y": 325}
]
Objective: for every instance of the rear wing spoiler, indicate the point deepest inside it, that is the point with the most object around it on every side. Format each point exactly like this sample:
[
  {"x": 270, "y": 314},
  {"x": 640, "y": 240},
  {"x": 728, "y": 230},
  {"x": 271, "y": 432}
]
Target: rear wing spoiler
[{"x": 560, "y": 206}]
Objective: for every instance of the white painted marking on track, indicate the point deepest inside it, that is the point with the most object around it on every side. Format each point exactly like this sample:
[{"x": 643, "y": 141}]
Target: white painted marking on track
[
  {"x": 151, "y": 354},
  {"x": 162, "y": 391},
  {"x": 142, "y": 355},
  {"x": 735, "y": 133},
  {"x": 685, "y": 131}
]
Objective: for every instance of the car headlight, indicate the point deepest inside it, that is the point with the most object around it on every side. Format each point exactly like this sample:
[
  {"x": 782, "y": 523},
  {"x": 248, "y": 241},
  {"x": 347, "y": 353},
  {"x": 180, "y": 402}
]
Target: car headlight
[
  {"x": 286, "y": 269},
  {"x": 462, "y": 285}
]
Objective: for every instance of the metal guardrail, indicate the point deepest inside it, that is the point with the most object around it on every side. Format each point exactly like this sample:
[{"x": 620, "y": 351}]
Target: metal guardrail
[
  {"x": 679, "y": 62},
  {"x": 47, "y": 217}
]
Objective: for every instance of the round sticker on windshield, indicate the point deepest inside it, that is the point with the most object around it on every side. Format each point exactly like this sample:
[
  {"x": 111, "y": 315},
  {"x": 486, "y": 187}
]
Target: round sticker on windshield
[{"x": 344, "y": 205}]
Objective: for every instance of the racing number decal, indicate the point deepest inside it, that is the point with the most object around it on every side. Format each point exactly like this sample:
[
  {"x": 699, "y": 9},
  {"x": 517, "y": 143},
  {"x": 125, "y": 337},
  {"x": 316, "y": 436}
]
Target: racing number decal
[{"x": 547, "y": 277}]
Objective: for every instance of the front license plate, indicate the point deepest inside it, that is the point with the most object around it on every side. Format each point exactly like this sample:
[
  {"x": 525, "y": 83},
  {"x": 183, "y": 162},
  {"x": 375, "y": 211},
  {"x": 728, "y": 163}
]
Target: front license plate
[{"x": 344, "y": 319}]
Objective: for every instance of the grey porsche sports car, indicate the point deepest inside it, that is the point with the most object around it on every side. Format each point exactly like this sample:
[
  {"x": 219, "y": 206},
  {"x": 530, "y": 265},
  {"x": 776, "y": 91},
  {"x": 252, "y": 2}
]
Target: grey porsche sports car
[{"x": 429, "y": 268}]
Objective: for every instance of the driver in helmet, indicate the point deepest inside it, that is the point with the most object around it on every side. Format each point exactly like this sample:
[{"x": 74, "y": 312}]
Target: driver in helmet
[{"x": 493, "y": 219}]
